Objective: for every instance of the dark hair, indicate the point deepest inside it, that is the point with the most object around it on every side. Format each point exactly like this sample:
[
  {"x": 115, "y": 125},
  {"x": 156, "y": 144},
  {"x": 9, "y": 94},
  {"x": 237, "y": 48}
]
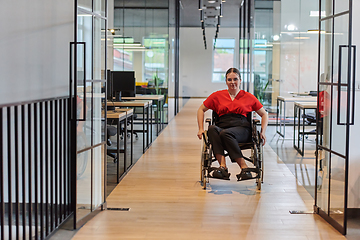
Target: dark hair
[{"x": 234, "y": 70}]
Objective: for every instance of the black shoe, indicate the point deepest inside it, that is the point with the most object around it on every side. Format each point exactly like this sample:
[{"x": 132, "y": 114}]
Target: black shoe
[
  {"x": 224, "y": 172},
  {"x": 244, "y": 176},
  {"x": 220, "y": 173}
]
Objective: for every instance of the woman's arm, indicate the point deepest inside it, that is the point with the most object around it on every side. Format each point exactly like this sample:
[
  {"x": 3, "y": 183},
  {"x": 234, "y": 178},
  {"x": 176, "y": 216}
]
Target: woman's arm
[
  {"x": 264, "y": 122},
  {"x": 200, "y": 119}
]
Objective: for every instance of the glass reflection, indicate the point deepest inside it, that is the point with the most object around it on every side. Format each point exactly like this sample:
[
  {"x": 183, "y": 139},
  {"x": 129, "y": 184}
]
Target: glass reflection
[
  {"x": 323, "y": 180},
  {"x": 100, "y": 7},
  {"x": 83, "y": 206},
  {"x": 85, "y": 4},
  {"x": 337, "y": 183},
  {"x": 98, "y": 176},
  {"x": 339, "y": 95},
  {"x": 98, "y": 122},
  {"x": 326, "y": 8}
]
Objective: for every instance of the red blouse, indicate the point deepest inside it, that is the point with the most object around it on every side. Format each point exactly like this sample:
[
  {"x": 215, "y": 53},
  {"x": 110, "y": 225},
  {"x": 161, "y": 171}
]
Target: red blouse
[
  {"x": 324, "y": 103},
  {"x": 221, "y": 103}
]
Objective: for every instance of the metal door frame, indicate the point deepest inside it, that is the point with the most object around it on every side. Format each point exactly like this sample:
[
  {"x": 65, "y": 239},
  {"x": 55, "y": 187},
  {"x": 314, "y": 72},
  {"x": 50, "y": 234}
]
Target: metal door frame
[
  {"x": 349, "y": 117},
  {"x": 77, "y": 222}
]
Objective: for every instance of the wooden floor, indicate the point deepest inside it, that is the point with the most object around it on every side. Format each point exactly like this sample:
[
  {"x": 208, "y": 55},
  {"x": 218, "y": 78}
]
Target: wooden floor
[{"x": 166, "y": 200}]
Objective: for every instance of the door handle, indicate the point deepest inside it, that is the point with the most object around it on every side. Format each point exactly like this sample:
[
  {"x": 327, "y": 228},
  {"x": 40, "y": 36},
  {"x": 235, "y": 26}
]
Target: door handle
[
  {"x": 350, "y": 84},
  {"x": 339, "y": 85},
  {"x": 353, "y": 85},
  {"x": 74, "y": 81}
]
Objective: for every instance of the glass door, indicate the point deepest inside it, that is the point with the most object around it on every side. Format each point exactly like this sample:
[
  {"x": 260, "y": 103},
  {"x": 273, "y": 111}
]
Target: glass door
[
  {"x": 335, "y": 111},
  {"x": 88, "y": 58}
]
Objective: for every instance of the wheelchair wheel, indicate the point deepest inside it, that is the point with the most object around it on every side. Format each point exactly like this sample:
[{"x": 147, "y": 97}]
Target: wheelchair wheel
[
  {"x": 261, "y": 158},
  {"x": 256, "y": 163},
  {"x": 206, "y": 160},
  {"x": 257, "y": 158},
  {"x": 203, "y": 167}
]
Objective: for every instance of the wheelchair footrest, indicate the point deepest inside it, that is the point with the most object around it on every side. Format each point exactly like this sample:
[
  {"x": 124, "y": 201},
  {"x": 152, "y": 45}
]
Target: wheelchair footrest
[
  {"x": 214, "y": 172},
  {"x": 245, "y": 174}
]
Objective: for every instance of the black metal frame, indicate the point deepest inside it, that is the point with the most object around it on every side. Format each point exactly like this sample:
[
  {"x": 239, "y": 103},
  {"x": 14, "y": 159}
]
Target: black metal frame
[
  {"x": 73, "y": 119},
  {"x": 349, "y": 114},
  {"x": 23, "y": 128},
  {"x": 244, "y": 34},
  {"x": 177, "y": 56},
  {"x": 298, "y": 116}
]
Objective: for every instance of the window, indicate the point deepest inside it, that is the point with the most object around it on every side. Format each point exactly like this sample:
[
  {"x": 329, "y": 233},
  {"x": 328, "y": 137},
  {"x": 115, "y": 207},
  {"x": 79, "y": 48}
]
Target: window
[
  {"x": 155, "y": 61},
  {"x": 123, "y": 55},
  {"x": 223, "y": 58}
]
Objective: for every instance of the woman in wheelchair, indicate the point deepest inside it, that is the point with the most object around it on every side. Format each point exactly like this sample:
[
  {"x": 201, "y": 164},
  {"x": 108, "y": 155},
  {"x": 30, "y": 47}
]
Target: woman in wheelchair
[{"x": 232, "y": 106}]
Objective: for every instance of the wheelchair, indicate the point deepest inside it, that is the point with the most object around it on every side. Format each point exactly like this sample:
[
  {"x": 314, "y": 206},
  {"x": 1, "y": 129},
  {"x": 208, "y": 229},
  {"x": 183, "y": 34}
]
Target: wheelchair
[{"x": 256, "y": 156}]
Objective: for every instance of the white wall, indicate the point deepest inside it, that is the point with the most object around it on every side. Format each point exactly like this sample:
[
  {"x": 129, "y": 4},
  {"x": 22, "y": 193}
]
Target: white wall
[
  {"x": 196, "y": 62},
  {"x": 34, "y": 49},
  {"x": 34, "y": 54}
]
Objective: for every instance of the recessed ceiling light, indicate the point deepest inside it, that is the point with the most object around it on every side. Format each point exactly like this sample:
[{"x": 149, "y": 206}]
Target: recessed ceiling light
[
  {"x": 301, "y": 37},
  {"x": 211, "y": 1},
  {"x": 316, "y": 13},
  {"x": 291, "y": 27}
]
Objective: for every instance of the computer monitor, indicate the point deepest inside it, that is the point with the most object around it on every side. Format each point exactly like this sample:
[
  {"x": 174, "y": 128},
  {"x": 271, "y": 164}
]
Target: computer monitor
[{"x": 123, "y": 84}]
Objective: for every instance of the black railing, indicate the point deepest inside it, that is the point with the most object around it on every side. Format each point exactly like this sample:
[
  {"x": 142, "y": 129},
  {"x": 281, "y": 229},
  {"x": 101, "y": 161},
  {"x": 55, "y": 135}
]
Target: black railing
[{"x": 34, "y": 168}]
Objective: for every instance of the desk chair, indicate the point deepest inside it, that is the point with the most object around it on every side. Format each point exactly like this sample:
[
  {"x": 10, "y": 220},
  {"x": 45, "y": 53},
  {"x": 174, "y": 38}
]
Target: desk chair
[
  {"x": 122, "y": 130},
  {"x": 111, "y": 131}
]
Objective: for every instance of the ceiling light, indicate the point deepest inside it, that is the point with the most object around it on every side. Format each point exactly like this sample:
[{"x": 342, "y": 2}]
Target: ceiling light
[
  {"x": 128, "y": 44},
  {"x": 291, "y": 27},
  {"x": 265, "y": 45},
  {"x": 276, "y": 37},
  {"x": 211, "y": 1},
  {"x": 316, "y": 13},
  {"x": 301, "y": 37}
]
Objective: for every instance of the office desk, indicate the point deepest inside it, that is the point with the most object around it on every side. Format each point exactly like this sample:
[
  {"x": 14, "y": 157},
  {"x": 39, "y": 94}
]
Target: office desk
[
  {"x": 145, "y": 105},
  {"x": 122, "y": 116},
  {"x": 159, "y": 100},
  {"x": 301, "y": 107},
  {"x": 281, "y": 110}
]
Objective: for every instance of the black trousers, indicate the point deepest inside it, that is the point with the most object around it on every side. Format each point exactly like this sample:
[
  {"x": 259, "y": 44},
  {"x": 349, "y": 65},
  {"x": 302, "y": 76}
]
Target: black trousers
[{"x": 228, "y": 139}]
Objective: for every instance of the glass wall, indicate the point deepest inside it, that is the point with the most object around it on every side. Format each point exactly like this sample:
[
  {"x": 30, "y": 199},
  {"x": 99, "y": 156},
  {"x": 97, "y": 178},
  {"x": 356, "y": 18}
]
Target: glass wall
[
  {"x": 223, "y": 57},
  {"x": 141, "y": 44},
  {"x": 299, "y": 46},
  {"x": 91, "y": 78},
  {"x": 265, "y": 53}
]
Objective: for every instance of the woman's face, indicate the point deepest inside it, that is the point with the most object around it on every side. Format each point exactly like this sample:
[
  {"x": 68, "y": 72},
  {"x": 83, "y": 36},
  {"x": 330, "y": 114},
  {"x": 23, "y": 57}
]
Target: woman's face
[{"x": 233, "y": 81}]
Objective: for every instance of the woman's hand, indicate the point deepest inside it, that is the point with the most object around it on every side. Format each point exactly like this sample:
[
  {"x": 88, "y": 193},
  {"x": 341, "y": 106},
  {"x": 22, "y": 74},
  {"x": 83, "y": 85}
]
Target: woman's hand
[
  {"x": 200, "y": 119},
  {"x": 263, "y": 137},
  {"x": 200, "y": 133},
  {"x": 264, "y": 122}
]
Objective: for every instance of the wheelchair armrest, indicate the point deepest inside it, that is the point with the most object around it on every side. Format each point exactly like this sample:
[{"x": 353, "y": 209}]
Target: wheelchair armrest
[
  {"x": 256, "y": 121},
  {"x": 208, "y": 121}
]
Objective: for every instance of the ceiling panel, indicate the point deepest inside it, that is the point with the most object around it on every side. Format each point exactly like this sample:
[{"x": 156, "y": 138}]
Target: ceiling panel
[{"x": 189, "y": 13}]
